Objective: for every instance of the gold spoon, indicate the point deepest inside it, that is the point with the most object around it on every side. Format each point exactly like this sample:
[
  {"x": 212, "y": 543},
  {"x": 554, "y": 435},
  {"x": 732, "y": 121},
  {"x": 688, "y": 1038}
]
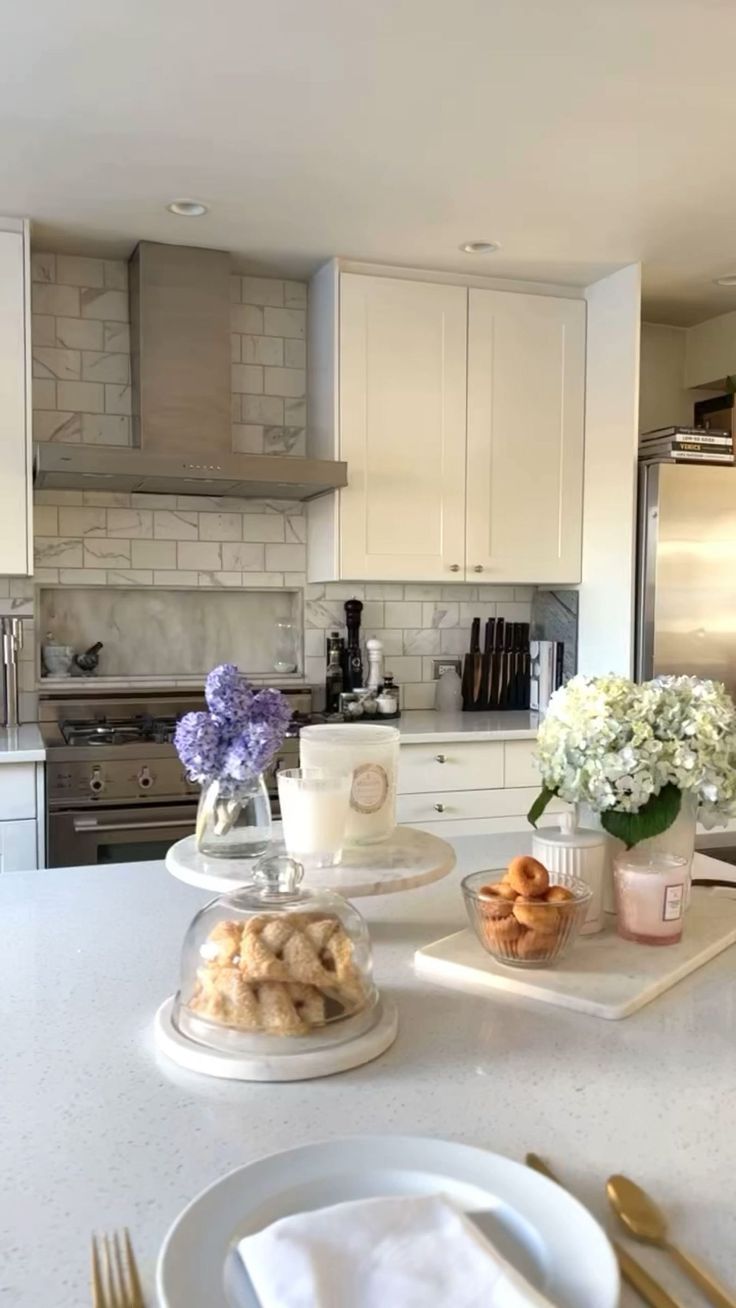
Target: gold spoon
[{"x": 641, "y": 1216}]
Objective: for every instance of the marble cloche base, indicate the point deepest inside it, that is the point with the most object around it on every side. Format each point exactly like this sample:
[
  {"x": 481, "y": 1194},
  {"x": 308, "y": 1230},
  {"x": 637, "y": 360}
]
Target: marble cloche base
[{"x": 282, "y": 1066}]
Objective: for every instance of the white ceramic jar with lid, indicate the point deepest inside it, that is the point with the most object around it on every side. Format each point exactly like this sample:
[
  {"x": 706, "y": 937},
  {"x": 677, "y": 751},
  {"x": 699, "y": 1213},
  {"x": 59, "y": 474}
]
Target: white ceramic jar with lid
[{"x": 576, "y": 852}]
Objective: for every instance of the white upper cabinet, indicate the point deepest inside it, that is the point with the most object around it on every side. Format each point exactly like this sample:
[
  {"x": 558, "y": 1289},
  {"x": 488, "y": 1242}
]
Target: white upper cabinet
[
  {"x": 16, "y": 536},
  {"x": 460, "y": 416},
  {"x": 526, "y": 389},
  {"x": 402, "y": 428}
]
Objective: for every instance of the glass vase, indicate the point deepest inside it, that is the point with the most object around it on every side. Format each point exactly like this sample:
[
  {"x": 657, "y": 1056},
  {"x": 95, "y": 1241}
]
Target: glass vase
[{"x": 233, "y": 819}]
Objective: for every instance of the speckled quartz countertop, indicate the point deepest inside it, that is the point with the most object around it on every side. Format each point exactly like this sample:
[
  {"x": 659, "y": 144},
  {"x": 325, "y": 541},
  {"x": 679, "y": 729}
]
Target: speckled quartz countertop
[
  {"x": 99, "y": 1132},
  {"x": 21, "y": 744},
  {"x": 417, "y": 726}
]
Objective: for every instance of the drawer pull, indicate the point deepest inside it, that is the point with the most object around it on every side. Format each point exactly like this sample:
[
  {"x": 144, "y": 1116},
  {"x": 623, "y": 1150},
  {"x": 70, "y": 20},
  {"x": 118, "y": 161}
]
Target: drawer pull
[
  {"x": 478, "y": 567},
  {"x": 440, "y": 758},
  {"x": 439, "y": 808},
  {"x": 454, "y": 567}
]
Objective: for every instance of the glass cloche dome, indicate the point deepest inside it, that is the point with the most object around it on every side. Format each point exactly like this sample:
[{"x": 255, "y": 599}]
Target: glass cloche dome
[{"x": 274, "y": 966}]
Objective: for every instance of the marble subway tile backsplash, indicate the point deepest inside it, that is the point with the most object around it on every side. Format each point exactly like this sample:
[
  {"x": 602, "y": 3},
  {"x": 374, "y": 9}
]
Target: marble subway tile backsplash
[
  {"x": 178, "y": 543},
  {"x": 81, "y": 356},
  {"x": 414, "y": 631}
]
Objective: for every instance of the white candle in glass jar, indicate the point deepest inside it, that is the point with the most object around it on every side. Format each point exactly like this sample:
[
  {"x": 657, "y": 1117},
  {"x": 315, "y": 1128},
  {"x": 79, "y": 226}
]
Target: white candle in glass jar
[
  {"x": 368, "y": 753},
  {"x": 651, "y": 897}
]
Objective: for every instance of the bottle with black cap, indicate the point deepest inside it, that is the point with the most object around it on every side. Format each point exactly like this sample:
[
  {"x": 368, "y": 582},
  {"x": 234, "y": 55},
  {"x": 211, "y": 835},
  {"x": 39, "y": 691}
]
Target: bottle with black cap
[{"x": 353, "y": 671}]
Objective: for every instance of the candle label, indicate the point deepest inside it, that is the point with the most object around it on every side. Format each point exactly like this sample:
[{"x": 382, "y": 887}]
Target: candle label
[
  {"x": 673, "y": 896},
  {"x": 370, "y": 788}
]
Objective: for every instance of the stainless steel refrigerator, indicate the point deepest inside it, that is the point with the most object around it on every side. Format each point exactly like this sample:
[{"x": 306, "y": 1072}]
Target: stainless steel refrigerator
[{"x": 686, "y": 585}]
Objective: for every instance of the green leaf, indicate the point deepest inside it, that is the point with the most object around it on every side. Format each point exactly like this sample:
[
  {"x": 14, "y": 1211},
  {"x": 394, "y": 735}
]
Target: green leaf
[
  {"x": 656, "y": 816},
  {"x": 540, "y": 804}
]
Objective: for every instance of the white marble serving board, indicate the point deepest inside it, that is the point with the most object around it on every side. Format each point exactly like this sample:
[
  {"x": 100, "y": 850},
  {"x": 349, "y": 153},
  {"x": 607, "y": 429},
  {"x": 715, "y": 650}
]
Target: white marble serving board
[
  {"x": 603, "y": 975},
  {"x": 407, "y": 860}
]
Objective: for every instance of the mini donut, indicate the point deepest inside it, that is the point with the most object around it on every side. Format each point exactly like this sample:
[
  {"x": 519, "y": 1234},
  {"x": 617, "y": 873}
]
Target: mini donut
[
  {"x": 527, "y": 876},
  {"x": 558, "y": 895},
  {"x": 500, "y": 931},
  {"x": 493, "y": 910},
  {"x": 533, "y": 945},
  {"x": 497, "y": 890},
  {"x": 537, "y": 915}
]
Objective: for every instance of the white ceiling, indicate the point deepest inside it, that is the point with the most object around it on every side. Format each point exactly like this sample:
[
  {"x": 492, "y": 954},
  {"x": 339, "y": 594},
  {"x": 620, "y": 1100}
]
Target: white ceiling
[{"x": 580, "y": 134}]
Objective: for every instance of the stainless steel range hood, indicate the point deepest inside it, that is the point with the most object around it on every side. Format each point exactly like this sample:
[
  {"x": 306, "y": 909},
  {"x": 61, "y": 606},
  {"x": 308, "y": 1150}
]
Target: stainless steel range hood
[
  {"x": 99, "y": 467},
  {"x": 180, "y": 365}
]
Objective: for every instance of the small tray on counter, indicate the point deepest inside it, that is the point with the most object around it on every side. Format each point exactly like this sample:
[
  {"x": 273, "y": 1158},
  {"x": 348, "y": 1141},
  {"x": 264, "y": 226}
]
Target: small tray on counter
[{"x": 604, "y": 975}]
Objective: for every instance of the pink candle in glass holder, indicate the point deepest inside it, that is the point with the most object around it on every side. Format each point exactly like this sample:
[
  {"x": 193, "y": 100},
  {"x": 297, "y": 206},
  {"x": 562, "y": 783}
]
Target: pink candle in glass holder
[{"x": 651, "y": 894}]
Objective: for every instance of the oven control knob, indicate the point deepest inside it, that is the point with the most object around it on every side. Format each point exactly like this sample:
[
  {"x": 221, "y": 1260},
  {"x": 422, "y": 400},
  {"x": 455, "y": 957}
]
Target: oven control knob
[
  {"x": 96, "y": 782},
  {"x": 145, "y": 780}
]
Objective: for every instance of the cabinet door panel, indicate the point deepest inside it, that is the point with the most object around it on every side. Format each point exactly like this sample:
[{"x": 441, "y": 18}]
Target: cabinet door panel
[
  {"x": 15, "y": 556},
  {"x": 18, "y": 852},
  {"x": 402, "y": 428},
  {"x": 526, "y": 388}
]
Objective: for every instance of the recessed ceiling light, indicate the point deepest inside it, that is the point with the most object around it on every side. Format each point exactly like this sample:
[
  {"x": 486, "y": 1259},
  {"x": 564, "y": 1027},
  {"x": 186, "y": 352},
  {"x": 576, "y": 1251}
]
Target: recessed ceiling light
[
  {"x": 187, "y": 208},
  {"x": 728, "y": 280},
  {"x": 479, "y": 247}
]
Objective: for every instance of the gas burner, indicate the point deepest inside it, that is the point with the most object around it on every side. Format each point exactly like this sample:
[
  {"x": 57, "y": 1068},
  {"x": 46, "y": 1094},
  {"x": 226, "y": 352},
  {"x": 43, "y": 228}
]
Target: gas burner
[{"x": 125, "y": 731}]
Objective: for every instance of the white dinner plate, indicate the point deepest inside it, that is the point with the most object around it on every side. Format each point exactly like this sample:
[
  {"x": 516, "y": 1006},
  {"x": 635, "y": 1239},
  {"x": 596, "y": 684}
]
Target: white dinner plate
[{"x": 540, "y": 1228}]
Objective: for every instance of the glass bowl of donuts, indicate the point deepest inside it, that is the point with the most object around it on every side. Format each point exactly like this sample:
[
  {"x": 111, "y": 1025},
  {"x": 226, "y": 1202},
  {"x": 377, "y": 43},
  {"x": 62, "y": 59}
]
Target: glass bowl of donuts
[{"x": 523, "y": 917}]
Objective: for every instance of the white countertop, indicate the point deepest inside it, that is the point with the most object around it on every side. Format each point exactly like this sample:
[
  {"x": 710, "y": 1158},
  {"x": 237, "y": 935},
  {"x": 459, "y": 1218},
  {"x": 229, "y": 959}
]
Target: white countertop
[
  {"x": 418, "y": 725},
  {"x": 21, "y": 744},
  {"x": 98, "y": 1131}
]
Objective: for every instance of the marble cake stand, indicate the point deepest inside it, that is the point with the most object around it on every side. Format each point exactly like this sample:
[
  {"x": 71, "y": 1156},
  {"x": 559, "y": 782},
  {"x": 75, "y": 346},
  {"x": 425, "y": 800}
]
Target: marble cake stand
[{"x": 409, "y": 859}]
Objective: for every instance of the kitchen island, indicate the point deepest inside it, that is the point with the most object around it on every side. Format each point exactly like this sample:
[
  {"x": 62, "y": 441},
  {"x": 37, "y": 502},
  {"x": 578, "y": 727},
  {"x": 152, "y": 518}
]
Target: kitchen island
[{"x": 99, "y": 1131}]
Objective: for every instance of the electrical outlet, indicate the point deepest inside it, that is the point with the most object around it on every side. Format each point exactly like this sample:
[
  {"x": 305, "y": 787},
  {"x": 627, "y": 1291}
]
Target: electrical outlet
[{"x": 445, "y": 665}]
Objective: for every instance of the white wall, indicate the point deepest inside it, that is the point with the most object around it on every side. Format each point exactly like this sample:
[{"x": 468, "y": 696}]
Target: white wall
[
  {"x": 606, "y": 631},
  {"x": 664, "y": 399}
]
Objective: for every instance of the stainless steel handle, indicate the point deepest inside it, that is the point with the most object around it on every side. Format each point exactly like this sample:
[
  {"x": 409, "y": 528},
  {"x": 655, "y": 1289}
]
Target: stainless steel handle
[
  {"x": 440, "y": 758},
  {"x": 478, "y": 567},
  {"x": 454, "y": 567},
  {"x": 89, "y": 824},
  {"x": 440, "y": 808}
]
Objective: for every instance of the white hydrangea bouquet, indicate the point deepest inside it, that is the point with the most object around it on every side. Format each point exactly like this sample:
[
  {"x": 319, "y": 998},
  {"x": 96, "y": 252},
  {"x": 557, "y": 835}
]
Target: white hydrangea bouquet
[{"x": 629, "y": 751}]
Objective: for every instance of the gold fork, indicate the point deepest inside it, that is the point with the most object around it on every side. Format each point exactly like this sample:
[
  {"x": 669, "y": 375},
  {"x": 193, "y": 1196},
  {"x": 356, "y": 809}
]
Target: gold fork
[{"x": 114, "y": 1276}]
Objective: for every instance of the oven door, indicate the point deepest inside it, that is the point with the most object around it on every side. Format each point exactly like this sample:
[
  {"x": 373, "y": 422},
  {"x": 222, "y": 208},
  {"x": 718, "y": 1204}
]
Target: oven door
[{"x": 117, "y": 835}]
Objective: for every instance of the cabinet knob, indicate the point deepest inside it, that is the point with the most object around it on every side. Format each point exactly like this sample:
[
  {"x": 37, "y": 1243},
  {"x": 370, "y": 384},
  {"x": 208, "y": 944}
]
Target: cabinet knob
[
  {"x": 478, "y": 567},
  {"x": 440, "y": 758},
  {"x": 454, "y": 567},
  {"x": 440, "y": 808}
]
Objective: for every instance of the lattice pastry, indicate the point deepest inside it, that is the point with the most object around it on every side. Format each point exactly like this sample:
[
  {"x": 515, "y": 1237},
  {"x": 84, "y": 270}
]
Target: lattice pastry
[
  {"x": 276, "y": 972},
  {"x": 274, "y": 1007}
]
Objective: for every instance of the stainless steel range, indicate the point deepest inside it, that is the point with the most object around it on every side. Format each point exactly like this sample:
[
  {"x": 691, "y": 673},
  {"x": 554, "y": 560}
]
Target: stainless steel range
[{"x": 115, "y": 789}]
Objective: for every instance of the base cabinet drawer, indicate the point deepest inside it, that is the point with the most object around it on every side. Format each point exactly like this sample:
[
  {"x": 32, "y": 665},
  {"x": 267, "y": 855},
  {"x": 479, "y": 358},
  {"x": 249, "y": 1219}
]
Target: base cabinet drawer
[
  {"x": 519, "y": 766},
  {"x": 18, "y": 849},
  {"x": 458, "y": 805},
  {"x": 17, "y": 791},
  {"x": 434, "y": 766}
]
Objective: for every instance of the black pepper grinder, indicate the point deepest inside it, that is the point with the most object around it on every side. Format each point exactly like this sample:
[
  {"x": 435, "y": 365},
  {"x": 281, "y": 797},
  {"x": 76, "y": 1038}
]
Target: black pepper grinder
[{"x": 353, "y": 678}]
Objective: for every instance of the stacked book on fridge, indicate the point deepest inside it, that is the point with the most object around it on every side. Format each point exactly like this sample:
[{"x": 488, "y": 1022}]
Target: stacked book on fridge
[{"x": 686, "y": 445}]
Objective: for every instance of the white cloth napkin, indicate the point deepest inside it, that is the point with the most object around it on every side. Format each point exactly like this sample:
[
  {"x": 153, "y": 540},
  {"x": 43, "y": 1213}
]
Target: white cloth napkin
[{"x": 382, "y": 1253}]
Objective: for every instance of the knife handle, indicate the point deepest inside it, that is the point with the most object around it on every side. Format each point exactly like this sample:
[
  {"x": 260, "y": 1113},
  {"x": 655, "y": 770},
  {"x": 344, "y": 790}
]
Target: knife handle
[{"x": 632, "y": 1271}]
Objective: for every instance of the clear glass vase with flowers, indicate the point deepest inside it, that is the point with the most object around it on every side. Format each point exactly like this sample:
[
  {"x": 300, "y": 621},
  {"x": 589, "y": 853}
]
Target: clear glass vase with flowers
[{"x": 226, "y": 749}]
